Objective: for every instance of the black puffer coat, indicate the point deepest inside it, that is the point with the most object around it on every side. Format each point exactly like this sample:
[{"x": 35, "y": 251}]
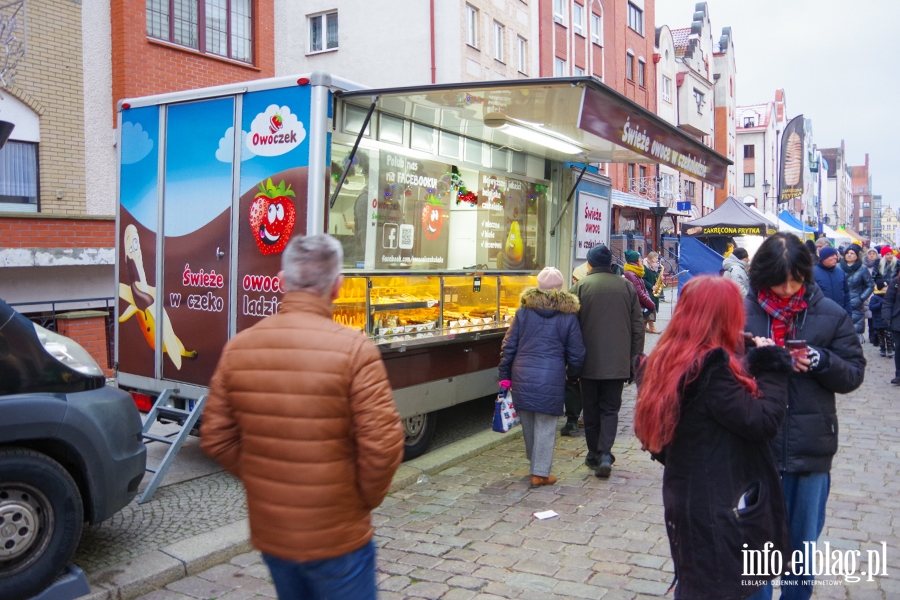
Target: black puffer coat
[
  {"x": 808, "y": 439},
  {"x": 890, "y": 309},
  {"x": 860, "y": 287},
  {"x": 720, "y": 452},
  {"x": 543, "y": 339}
]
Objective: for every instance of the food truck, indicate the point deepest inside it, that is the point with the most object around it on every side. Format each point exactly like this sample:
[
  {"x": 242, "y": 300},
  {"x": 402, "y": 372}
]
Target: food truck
[{"x": 447, "y": 199}]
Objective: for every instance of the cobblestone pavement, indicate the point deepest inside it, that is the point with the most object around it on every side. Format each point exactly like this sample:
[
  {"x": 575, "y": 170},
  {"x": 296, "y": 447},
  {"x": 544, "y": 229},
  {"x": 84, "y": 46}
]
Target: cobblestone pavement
[{"x": 469, "y": 532}]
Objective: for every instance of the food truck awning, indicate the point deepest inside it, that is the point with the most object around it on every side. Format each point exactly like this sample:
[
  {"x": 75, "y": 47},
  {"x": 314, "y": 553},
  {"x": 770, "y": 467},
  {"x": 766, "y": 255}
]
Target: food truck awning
[{"x": 562, "y": 118}]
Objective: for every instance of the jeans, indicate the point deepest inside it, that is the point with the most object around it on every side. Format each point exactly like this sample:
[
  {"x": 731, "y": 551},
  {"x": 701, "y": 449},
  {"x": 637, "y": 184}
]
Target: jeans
[
  {"x": 602, "y": 400},
  {"x": 351, "y": 575},
  {"x": 805, "y": 495}
]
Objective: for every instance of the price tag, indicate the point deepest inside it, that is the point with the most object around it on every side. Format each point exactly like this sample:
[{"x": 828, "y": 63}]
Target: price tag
[{"x": 476, "y": 284}]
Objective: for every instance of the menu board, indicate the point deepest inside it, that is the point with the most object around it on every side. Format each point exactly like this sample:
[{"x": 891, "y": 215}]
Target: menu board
[{"x": 507, "y": 222}]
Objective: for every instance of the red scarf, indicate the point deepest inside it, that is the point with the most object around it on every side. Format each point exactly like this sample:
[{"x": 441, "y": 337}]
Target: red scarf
[{"x": 783, "y": 312}]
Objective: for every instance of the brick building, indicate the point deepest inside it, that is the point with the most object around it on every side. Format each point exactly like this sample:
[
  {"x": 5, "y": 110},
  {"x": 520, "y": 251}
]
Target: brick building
[
  {"x": 58, "y": 172},
  {"x": 613, "y": 40}
]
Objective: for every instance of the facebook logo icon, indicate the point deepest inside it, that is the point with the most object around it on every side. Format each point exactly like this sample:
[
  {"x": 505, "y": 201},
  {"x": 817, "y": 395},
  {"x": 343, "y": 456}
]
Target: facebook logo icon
[{"x": 390, "y": 236}]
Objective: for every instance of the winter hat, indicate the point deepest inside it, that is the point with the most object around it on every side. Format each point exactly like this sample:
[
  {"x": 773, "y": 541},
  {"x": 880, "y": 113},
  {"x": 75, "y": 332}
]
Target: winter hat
[
  {"x": 826, "y": 252},
  {"x": 856, "y": 248},
  {"x": 550, "y": 279},
  {"x": 886, "y": 250},
  {"x": 599, "y": 256},
  {"x": 632, "y": 256}
]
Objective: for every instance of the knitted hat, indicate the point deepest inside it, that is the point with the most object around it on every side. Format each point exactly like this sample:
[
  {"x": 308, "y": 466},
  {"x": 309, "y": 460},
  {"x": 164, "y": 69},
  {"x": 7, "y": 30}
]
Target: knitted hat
[
  {"x": 550, "y": 279},
  {"x": 632, "y": 256},
  {"x": 599, "y": 256},
  {"x": 826, "y": 252},
  {"x": 856, "y": 248},
  {"x": 886, "y": 250}
]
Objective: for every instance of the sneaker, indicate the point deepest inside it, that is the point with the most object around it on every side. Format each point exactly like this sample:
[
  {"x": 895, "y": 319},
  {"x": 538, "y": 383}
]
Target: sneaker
[
  {"x": 591, "y": 462},
  {"x": 895, "y": 381},
  {"x": 882, "y": 352},
  {"x": 569, "y": 428},
  {"x": 605, "y": 467},
  {"x": 537, "y": 481}
]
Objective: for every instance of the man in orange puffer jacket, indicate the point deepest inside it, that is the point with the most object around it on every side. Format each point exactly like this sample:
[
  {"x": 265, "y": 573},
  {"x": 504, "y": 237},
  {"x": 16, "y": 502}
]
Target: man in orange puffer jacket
[{"x": 301, "y": 411}]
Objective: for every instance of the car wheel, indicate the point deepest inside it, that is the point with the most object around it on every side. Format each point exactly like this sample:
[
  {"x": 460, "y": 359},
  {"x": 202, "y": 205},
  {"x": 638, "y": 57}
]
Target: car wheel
[
  {"x": 419, "y": 431},
  {"x": 41, "y": 516}
]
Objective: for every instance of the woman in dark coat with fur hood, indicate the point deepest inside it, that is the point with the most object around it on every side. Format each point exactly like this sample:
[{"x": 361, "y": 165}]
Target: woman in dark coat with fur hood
[
  {"x": 709, "y": 417},
  {"x": 542, "y": 341}
]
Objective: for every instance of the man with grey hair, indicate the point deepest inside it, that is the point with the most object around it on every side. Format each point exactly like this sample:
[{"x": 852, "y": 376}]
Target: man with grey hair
[{"x": 301, "y": 411}]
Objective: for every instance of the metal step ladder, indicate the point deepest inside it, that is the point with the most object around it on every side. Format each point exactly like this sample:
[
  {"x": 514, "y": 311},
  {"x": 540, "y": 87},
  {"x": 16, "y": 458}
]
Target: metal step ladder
[{"x": 188, "y": 420}]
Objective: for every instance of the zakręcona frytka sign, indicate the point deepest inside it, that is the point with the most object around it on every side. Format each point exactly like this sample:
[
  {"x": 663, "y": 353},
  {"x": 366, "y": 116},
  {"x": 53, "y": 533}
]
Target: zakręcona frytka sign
[{"x": 606, "y": 117}]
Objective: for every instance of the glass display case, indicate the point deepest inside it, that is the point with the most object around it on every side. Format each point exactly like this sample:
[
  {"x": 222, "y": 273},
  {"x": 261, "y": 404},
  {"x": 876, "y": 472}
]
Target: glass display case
[{"x": 404, "y": 307}]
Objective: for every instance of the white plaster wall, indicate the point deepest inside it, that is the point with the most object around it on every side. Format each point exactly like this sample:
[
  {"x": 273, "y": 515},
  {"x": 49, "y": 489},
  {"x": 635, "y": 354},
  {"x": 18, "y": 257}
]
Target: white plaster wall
[
  {"x": 27, "y": 124},
  {"x": 667, "y": 111},
  {"x": 381, "y": 43},
  {"x": 24, "y": 284},
  {"x": 99, "y": 137},
  {"x": 448, "y": 23}
]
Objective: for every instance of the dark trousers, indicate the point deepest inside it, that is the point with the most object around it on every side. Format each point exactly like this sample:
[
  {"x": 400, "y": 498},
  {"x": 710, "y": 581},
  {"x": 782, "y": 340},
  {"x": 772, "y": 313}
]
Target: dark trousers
[
  {"x": 351, "y": 575},
  {"x": 896, "y": 336},
  {"x": 573, "y": 402},
  {"x": 602, "y": 399}
]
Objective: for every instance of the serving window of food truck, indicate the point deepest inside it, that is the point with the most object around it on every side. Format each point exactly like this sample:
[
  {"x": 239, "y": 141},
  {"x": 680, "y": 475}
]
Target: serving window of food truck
[{"x": 447, "y": 200}]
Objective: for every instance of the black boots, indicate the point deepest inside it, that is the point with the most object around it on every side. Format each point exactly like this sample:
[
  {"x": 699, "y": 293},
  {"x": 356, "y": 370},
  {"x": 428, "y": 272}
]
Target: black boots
[
  {"x": 605, "y": 467},
  {"x": 569, "y": 428}
]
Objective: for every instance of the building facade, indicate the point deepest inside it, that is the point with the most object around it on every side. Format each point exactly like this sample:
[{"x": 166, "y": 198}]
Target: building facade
[
  {"x": 461, "y": 40},
  {"x": 861, "y": 185},
  {"x": 837, "y": 199},
  {"x": 725, "y": 137},
  {"x": 758, "y": 140},
  {"x": 890, "y": 226}
]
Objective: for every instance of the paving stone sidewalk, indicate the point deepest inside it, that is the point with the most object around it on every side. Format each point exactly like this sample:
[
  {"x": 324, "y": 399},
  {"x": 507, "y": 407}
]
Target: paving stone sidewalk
[{"x": 469, "y": 532}]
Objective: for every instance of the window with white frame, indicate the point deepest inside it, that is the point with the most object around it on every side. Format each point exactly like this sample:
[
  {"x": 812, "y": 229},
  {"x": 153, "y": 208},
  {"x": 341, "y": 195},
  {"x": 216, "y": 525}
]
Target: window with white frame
[
  {"x": 471, "y": 25},
  {"x": 635, "y": 18},
  {"x": 523, "y": 54},
  {"x": 559, "y": 11},
  {"x": 498, "y": 41},
  {"x": 642, "y": 68},
  {"x": 666, "y": 88},
  {"x": 629, "y": 66},
  {"x": 323, "y": 32},
  {"x": 700, "y": 99},
  {"x": 19, "y": 177},
  {"x": 596, "y": 29},
  {"x": 579, "y": 72},
  {"x": 578, "y": 18},
  {"x": 559, "y": 67}
]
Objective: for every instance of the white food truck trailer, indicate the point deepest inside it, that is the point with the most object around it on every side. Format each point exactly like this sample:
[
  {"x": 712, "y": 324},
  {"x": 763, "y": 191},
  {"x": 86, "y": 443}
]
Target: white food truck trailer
[{"x": 448, "y": 199}]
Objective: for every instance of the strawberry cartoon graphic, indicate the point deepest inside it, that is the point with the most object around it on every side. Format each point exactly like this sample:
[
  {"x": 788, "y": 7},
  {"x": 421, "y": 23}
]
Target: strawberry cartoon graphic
[
  {"x": 275, "y": 123},
  {"x": 432, "y": 217},
  {"x": 272, "y": 217}
]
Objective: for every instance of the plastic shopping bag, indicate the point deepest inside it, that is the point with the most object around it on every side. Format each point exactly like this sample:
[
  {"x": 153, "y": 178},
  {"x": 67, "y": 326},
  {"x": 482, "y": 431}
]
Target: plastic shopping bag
[{"x": 505, "y": 417}]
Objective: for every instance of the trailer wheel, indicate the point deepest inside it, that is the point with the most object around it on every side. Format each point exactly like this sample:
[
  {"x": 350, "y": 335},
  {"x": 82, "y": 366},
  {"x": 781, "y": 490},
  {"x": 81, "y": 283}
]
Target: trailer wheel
[
  {"x": 41, "y": 516},
  {"x": 419, "y": 431}
]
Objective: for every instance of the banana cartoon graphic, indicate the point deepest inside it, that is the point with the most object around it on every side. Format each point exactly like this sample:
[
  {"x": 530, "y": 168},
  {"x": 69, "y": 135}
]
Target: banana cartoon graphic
[{"x": 141, "y": 298}]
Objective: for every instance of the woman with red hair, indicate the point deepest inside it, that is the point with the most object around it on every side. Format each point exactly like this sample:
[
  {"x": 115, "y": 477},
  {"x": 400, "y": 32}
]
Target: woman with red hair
[{"x": 709, "y": 416}]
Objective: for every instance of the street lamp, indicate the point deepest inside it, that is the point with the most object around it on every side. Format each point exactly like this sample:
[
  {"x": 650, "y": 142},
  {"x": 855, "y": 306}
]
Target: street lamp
[{"x": 766, "y": 186}]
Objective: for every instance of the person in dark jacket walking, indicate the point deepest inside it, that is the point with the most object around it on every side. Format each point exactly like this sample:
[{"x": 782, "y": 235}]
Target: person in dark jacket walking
[
  {"x": 543, "y": 340},
  {"x": 703, "y": 415},
  {"x": 859, "y": 286},
  {"x": 612, "y": 324},
  {"x": 831, "y": 280},
  {"x": 786, "y": 304},
  {"x": 890, "y": 314}
]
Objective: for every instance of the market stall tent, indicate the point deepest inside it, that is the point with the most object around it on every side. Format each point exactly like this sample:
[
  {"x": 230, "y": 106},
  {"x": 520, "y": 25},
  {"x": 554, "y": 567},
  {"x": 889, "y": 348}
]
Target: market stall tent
[
  {"x": 794, "y": 222},
  {"x": 732, "y": 218}
]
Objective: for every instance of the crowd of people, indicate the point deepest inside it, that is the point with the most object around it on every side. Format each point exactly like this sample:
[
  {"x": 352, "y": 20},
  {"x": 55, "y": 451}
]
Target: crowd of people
[{"x": 737, "y": 400}]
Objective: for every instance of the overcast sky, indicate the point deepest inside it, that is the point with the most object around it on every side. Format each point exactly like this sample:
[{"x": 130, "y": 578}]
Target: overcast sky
[{"x": 834, "y": 61}]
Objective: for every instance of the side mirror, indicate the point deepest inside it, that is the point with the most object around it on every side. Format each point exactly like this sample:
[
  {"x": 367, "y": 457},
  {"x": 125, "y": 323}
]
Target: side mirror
[{"x": 6, "y": 129}]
